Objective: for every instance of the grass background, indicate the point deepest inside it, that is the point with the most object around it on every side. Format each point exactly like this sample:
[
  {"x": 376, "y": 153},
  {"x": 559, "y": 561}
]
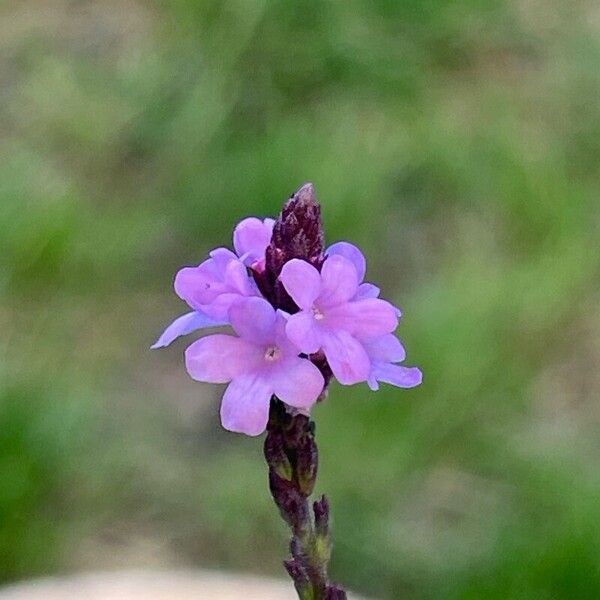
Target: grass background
[{"x": 457, "y": 142}]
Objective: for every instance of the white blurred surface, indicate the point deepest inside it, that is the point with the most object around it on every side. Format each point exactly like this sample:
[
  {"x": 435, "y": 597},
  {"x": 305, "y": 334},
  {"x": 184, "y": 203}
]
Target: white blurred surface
[{"x": 150, "y": 585}]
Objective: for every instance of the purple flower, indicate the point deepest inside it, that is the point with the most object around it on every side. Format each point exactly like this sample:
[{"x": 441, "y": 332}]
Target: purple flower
[
  {"x": 215, "y": 284},
  {"x": 383, "y": 352},
  {"x": 278, "y": 267},
  {"x": 209, "y": 289},
  {"x": 357, "y": 258},
  {"x": 331, "y": 318},
  {"x": 212, "y": 286},
  {"x": 259, "y": 363},
  {"x": 250, "y": 240}
]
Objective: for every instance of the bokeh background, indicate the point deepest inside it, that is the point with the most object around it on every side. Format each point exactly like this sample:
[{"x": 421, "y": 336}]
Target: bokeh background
[{"x": 457, "y": 142}]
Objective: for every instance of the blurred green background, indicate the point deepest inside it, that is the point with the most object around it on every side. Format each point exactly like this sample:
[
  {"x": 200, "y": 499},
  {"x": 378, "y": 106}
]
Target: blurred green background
[{"x": 457, "y": 142}]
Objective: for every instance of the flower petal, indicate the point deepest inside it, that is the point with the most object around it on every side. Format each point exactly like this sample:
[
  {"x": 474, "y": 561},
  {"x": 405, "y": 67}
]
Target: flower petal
[
  {"x": 303, "y": 332},
  {"x": 282, "y": 340},
  {"x": 184, "y": 325},
  {"x": 346, "y": 357},
  {"x": 253, "y": 319},
  {"x": 353, "y": 254},
  {"x": 297, "y": 382},
  {"x": 245, "y": 405},
  {"x": 404, "y": 377},
  {"x": 251, "y": 238},
  {"x": 199, "y": 285},
  {"x": 222, "y": 257},
  {"x": 219, "y": 358},
  {"x": 214, "y": 284},
  {"x": 386, "y": 348},
  {"x": 364, "y": 319},
  {"x": 339, "y": 281},
  {"x": 367, "y": 290},
  {"x": 373, "y": 383},
  {"x": 301, "y": 281},
  {"x": 238, "y": 280}
]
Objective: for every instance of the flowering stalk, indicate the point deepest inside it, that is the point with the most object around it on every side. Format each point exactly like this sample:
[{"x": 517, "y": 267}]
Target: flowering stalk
[
  {"x": 292, "y": 457},
  {"x": 290, "y": 447},
  {"x": 301, "y": 315}
]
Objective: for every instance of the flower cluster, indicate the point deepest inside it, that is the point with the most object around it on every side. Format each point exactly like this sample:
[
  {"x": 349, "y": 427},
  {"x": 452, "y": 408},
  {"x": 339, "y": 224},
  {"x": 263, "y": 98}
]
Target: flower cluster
[{"x": 299, "y": 313}]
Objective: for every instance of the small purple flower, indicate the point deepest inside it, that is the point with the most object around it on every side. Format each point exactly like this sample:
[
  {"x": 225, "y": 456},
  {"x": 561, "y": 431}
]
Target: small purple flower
[
  {"x": 215, "y": 284},
  {"x": 259, "y": 363},
  {"x": 331, "y": 319},
  {"x": 250, "y": 240},
  {"x": 357, "y": 258},
  {"x": 383, "y": 352},
  {"x": 212, "y": 286}
]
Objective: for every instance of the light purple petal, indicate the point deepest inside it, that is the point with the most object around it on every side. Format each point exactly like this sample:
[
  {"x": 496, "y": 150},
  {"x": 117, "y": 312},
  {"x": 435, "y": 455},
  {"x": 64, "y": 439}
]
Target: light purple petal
[
  {"x": 353, "y": 254},
  {"x": 222, "y": 257},
  {"x": 364, "y": 319},
  {"x": 281, "y": 338},
  {"x": 218, "y": 309},
  {"x": 213, "y": 285},
  {"x": 297, "y": 382},
  {"x": 386, "y": 348},
  {"x": 254, "y": 320},
  {"x": 251, "y": 238},
  {"x": 219, "y": 358},
  {"x": 245, "y": 405},
  {"x": 238, "y": 280},
  {"x": 301, "y": 281},
  {"x": 404, "y": 377},
  {"x": 183, "y": 325},
  {"x": 346, "y": 357},
  {"x": 199, "y": 285},
  {"x": 373, "y": 383},
  {"x": 304, "y": 332},
  {"x": 339, "y": 281},
  {"x": 367, "y": 290}
]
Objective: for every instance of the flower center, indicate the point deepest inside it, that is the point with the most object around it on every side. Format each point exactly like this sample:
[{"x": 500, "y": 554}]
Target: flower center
[
  {"x": 272, "y": 353},
  {"x": 317, "y": 314}
]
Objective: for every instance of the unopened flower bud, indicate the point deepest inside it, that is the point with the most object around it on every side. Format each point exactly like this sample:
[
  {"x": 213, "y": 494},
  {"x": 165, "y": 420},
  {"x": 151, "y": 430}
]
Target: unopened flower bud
[
  {"x": 307, "y": 463},
  {"x": 334, "y": 592},
  {"x": 321, "y": 510},
  {"x": 297, "y": 233},
  {"x": 299, "y": 577},
  {"x": 291, "y": 503},
  {"x": 276, "y": 456}
]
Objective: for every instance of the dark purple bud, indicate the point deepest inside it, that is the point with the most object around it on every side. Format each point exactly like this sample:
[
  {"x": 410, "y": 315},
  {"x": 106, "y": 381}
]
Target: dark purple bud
[
  {"x": 291, "y": 503},
  {"x": 334, "y": 592},
  {"x": 295, "y": 429},
  {"x": 276, "y": 456},
  {"x": 299, "y": 577},
  {"x": 321, "y": 510},
  {"x": 307, "y": 457},
  {"x": 297, "y": 549},
  {"x": 297, "y": 233}
]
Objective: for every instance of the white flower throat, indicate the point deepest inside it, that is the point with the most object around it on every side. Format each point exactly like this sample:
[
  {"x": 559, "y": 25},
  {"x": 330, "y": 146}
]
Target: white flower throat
[{"x": 272, "y": 353}]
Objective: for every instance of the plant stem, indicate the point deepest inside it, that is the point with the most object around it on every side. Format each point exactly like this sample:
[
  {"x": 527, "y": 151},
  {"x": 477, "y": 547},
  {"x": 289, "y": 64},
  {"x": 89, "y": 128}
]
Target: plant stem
[{"x": 292, "y": 456}]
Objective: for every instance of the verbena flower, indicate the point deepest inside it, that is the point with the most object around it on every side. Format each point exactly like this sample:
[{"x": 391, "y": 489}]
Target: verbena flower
[
  {"x": 301, "y": 314},
  {"x": 250, "y": 240},
  {"x": 259, "y": 363},
  {"x": 330, "y": 319},
  {"x": 383, "y": 352},
  {"x": 212, "y": 286}
]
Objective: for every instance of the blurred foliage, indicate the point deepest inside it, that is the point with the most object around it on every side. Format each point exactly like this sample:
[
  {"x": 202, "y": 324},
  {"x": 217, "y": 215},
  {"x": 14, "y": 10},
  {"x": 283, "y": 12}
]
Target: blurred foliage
[{"x": 458, "y": 142}]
